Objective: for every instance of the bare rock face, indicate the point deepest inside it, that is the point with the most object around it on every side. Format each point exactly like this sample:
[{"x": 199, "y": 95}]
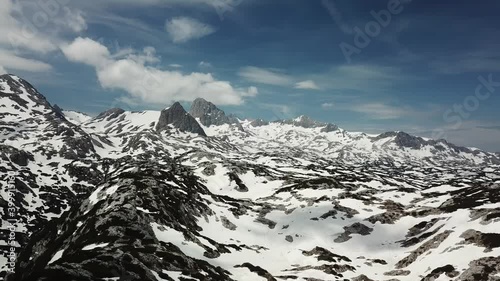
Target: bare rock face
[
  {"x": 448, "y": 270},
  {"x": 431, "y": 244},
  {"x": 177, "y": 117},
  {"x": 486, "y": 240},
  {"x": 111, "y": 113},
  {"x": 117, "y": 234},
  {"x": 307, "y": 122},
  {"x": 356, "y": 228},
  {"x": 209, "y": 114},
  {"x": 482, "y": 269},
  {"x": 259, "y": 123}
]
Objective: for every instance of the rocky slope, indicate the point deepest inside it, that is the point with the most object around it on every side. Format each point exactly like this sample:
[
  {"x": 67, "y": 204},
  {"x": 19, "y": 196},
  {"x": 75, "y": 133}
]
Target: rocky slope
[{"x": 173, "y": 195}]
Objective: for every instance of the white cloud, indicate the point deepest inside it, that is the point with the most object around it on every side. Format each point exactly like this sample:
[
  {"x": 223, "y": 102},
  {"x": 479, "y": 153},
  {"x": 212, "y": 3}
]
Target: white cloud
[
  {"x": 35, "y": 29},
  {"x": 87, "y": 51},
  {"x": 12, "y": 61},
  {"x": 184, "y": 29},
  {"x": 327, "y": 105},
  {"x": 2, "y": 70},
  {"x": 149, "y": 85},
  {"x": 204, "y": 64},
  {"x": 265, "y": 76},
  {"x": 381, "y": 111},
  {"x": 307, "y": 85},
  {"x": 24, "y": 36},
  {"x": 175, "y": 65},
  {"x": 72, "y": 20}
]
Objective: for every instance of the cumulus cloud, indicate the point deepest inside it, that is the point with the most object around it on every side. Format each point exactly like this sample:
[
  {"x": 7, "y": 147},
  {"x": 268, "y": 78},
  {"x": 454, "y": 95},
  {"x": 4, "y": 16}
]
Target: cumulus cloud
[
  {"x": 146, "y": 84},
  {"x": 307, "y": 85},
  {"x": 183, "y": 29},
  {"x": 265, "y": 76},
  {"x": 87, "y": 51}
]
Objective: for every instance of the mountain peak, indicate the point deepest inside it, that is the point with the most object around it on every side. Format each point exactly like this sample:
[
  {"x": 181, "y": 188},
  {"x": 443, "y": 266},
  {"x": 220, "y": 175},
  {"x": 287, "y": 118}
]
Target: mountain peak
[
  {"x": 209, "y": 114},
  {"x": 177, "y": 116},
  {"x": 111, "y": 113},
  {"x": 302, "y": 118},
  {"x": 307, "y": 122}
]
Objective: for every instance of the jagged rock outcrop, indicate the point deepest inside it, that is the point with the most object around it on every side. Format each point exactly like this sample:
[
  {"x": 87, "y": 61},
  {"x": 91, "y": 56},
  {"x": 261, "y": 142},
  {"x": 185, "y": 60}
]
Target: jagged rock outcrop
[
  {"x": 111, "y": 113},
  {"x": 209, "y": 114},
  {"x": 125, "y": 233},
  {"x": 307, "y": 122},
  {"x": 259, "y": 123},
  {"x": 177, "y": 117}
]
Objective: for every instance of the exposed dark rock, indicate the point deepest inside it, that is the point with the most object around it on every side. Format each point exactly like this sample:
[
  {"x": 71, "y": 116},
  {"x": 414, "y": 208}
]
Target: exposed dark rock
[
  {"x": 449, "y": 270},
  {"x": 329, "y": 128},
  {"x": 111, "y": 113},
  {"x": 431, "y": 244},
  {"x": 470, "y": 197},
  {"x": 483, "y": 269},
  {"x": 58, "y": 111},
  {"x": 356, "y": 228},
  {"x": 362, "y": 277},
  {"x": 209, "y": 114},
  {"x": 258, "y": 270},
  {"x": 227, "y": 223},
  {"x": 397, "y": 272},
  {"x": 325, "y": 255},
  {"x": 241, "y": 187},
  {"x": 421, "y": 227},
  {"x": 306, "y": 122},
  {"x": 259, "y": 123},
  {"x": 180, "y": 119},
  {"x": 132, "y": 248},
  {"x": 486, "y": 240},
  {"x": 20, "y": 157}
]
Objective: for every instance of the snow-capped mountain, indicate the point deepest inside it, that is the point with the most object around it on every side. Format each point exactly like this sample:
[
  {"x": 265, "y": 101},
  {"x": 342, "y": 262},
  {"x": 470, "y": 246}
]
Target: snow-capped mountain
[
  {"x": 172, "y": 195},
  {"x": 302, "y": 133}
]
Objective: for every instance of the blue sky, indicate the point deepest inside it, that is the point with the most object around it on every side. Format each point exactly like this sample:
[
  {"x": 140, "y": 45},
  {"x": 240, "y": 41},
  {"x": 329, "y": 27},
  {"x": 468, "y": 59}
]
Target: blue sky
[{"x": 270, "y": 59}]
